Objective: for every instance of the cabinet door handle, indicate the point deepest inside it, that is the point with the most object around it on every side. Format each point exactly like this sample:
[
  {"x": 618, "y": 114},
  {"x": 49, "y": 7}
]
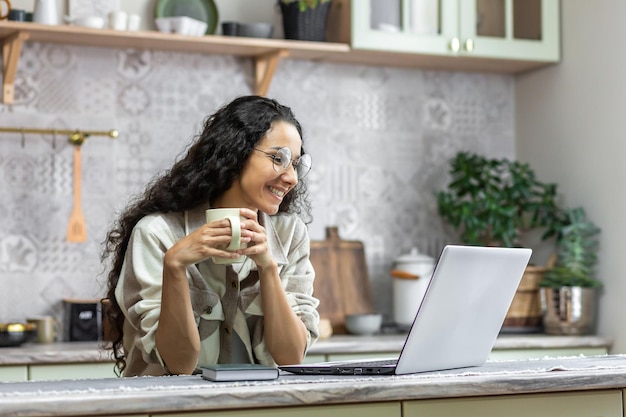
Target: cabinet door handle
[
  {"x": 469, "y": 45},
  {"x": 455, "y": 45}
]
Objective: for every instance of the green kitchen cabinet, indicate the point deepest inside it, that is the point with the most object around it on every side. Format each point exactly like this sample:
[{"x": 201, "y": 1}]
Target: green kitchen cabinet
[
  {"x": 71, "y": 371},
  {"x": 527, "y": 30},
  {"x": 575, "y": 404}
]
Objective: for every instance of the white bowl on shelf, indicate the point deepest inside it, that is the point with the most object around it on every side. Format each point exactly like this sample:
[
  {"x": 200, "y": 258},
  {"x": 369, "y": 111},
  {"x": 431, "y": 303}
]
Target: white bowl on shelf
[
  {"x": 95, "y": 22},
  {"x": 182, "y": 25}
]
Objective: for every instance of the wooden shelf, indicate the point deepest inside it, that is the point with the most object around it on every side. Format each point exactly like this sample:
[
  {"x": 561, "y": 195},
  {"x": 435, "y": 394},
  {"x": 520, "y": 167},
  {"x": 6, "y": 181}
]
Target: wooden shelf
[{"x": 266, "y": 52}]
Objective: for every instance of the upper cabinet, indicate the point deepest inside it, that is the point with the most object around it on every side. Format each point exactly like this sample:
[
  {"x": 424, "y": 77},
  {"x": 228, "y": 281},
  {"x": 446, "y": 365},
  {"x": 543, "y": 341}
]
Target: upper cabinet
[
  {"x": 510, "y": 29},
  {"x": 519, "y": 34}
]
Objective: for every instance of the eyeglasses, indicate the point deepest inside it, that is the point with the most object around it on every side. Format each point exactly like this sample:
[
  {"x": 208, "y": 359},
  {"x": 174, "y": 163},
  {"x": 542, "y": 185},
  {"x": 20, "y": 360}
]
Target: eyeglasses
[{"x": 281, "y": 160}]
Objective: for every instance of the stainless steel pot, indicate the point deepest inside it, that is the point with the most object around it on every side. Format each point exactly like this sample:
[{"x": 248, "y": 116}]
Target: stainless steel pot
[
  {"x": 411, "y": 275},
  {"x": 14, "y": 334}
]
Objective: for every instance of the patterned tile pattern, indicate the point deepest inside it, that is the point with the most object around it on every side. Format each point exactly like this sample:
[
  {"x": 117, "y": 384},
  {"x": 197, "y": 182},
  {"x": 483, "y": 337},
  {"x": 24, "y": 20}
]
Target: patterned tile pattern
[{"x": 380, "y": 139}]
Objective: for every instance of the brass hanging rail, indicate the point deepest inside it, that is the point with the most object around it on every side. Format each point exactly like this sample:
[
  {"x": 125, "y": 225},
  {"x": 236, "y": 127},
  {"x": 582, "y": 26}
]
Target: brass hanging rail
[{"x": 77, "y": 137}]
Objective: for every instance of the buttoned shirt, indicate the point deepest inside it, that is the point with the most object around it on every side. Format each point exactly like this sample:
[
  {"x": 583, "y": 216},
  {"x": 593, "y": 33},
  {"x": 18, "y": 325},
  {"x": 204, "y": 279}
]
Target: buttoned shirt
[{"x": 226, "y": 301}]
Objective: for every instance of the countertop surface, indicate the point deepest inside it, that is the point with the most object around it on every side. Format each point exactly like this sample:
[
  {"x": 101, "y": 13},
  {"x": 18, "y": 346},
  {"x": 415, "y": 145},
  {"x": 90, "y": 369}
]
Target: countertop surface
[
  {"x": 394, "y": 342},
  {"x": 109, "y": 396},
  {"x": 82, "y": 352}
]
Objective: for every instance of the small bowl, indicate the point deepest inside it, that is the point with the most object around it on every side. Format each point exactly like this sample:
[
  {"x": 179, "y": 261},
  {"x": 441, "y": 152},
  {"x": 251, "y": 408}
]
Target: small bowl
[
  {"x": 364, "y": 324},
  {"x": 255, "y": 30},
  {"x": 95, "y": 22},
  {"x": 14, "y": 334}
]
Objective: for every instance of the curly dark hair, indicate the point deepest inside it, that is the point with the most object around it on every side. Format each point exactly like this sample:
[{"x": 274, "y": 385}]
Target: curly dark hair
[{"x": 213, "y": 161}]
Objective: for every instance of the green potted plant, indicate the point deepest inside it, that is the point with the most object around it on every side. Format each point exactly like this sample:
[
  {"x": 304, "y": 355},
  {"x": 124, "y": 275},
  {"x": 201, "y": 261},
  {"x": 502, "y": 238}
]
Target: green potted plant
[
  {"x": 305, "y": 19},
  {"x": 492, "y": 202},
  {"x": 568, "y": 289}
]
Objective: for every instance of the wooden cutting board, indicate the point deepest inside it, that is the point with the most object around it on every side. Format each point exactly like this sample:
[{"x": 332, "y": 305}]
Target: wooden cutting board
[{"x": 341, "y": 279}]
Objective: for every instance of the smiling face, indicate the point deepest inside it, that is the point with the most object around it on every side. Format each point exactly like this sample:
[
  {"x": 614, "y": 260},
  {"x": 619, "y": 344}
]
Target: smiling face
[{"x": 259, "y": 186}]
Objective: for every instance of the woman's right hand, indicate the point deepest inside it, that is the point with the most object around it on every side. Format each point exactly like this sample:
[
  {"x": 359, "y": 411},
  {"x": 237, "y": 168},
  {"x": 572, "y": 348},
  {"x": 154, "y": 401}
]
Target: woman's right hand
[{"x": 211, "y": 239}]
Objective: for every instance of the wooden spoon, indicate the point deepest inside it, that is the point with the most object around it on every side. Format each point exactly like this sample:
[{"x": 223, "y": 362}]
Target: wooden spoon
[{"x": 76, "y": 229}]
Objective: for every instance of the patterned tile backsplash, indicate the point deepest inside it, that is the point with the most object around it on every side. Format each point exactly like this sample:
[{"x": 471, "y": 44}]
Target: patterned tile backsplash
[{"x": 380, "y": 138}]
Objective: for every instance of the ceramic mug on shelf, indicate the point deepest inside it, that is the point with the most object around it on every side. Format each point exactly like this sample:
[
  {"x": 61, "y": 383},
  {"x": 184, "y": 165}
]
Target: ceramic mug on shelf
[
  {"x": 17, "y": 15},
  {"x": 134, "y": 22},
  {"x": 45, "y": 12},
  {"x": 232, "y": 214},
  {"x": 118, "y": 20}
]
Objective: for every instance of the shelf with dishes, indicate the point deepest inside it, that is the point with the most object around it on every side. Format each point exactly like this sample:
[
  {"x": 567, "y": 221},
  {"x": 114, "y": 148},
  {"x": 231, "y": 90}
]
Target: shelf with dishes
[{"x": 266, "y": 53}]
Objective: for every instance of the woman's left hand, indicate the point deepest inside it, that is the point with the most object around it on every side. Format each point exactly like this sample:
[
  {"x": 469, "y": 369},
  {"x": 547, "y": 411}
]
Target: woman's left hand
[{"x": 257, "y": 248}]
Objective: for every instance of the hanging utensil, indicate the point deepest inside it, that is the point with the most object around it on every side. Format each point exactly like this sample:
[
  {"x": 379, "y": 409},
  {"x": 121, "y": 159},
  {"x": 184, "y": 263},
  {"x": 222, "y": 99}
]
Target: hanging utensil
[{"x": 77, "y": 229}]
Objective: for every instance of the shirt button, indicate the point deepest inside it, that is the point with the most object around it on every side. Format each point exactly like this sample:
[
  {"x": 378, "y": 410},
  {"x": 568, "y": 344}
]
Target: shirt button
[
  {"x": 208, "y": 310},
  {"x": 227, "y": 330}
]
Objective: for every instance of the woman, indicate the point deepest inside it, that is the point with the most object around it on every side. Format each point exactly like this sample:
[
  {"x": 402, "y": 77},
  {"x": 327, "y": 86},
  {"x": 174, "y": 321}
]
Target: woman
[{"x": 172, "y": 308}]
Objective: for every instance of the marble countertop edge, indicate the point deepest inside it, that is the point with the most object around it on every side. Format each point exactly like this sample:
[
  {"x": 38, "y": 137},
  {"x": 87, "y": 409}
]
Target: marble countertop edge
[
  {"x": 191, "y": 393},
  {"x": 202, "y": 399}
]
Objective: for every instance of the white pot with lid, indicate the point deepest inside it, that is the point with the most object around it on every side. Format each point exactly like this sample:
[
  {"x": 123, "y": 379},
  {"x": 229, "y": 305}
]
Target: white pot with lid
[{"x": 411, "y": 275}]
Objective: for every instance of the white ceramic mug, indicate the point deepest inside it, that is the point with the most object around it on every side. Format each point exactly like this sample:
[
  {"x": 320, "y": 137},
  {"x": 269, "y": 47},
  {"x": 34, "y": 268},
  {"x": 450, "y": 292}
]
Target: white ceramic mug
[
  {"x": 134, "y": 22},
  {"x": 47, "y": 328},
  {"x": 46, "y": 12},
  {"x": 232, "y": 214},
  {"x": 118, "y": 20}
]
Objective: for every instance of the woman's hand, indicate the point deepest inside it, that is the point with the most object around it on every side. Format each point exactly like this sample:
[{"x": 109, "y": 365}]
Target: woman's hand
[
  {"x": 211, "y": 239},
  {"x": 257, "y": 249}
]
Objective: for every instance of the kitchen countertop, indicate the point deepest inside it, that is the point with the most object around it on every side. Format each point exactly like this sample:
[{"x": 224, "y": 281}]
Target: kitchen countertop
[
  {"x": 394, "y": 342},
  {"x": 191, "y": 393},
  {"x": 82, "y": 352}
]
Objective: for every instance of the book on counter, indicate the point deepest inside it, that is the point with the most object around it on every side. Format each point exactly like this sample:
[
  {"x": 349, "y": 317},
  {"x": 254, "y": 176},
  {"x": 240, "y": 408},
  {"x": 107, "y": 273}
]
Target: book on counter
[{"x": 238, "y": 372}]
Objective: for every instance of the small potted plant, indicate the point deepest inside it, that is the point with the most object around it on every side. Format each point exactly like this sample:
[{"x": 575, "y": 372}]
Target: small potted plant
[
  {"x": 568, "y": 289},
  {"x": 305, "y": 19},
  {"x": 492, "y": 202}
]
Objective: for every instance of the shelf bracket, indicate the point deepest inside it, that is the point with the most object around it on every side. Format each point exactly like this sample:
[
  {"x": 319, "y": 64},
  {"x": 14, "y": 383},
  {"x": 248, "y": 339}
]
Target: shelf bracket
[
  {"x": 11, "y": 50},
  {"x": 265, "y": 66}
]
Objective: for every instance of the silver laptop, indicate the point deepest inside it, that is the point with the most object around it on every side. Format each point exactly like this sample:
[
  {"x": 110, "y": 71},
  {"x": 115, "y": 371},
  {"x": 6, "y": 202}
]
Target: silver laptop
[{"x": 458, "y": 320}]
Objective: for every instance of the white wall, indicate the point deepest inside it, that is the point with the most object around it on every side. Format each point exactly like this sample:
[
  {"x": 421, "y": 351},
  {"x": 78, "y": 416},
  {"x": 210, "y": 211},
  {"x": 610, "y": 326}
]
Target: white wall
[{"x": 570, "y": 125}]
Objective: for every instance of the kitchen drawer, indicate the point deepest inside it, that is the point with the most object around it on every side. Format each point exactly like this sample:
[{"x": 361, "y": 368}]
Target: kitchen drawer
[
  {"x": 14, "y": 373},
  {"x": 72, "y": 371},
  {"x": 575, "y": 404}
]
